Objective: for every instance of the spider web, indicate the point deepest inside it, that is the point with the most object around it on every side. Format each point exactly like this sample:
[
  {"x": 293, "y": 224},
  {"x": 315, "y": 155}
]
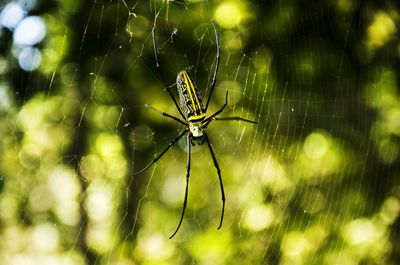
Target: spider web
[{"x": 315, "y": 181}]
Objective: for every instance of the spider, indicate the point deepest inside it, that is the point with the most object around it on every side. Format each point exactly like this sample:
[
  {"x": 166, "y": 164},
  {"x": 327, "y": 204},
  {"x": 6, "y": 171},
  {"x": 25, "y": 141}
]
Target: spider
[{"x": 194, "y": 119}]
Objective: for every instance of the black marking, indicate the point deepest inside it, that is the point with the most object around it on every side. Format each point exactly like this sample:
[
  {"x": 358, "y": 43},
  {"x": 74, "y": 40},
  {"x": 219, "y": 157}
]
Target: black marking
[{"x": 190, "y": 100}]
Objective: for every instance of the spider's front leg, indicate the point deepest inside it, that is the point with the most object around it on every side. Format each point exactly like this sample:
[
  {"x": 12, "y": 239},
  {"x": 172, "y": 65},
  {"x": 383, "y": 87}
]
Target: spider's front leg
[
  {"x": 214, "y": 117},
  {"x": 156, "y": 158}
]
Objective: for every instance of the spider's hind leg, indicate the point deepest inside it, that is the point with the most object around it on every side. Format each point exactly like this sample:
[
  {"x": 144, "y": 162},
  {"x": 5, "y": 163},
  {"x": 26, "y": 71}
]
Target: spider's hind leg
[
  {"x": 189, "y": 139},
  {"x": 219, "y": 177}
]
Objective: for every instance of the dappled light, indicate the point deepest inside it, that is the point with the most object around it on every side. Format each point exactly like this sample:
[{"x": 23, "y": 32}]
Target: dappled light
[{"x": 294, "y": 156}]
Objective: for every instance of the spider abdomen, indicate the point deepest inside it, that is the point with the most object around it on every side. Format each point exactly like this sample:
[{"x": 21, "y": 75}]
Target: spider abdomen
[{"x": 190, "y": 100}]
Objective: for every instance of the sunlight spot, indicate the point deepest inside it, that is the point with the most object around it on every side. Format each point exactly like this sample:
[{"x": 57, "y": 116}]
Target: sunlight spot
[
  {"x": 228, "y": 14},
  {"x": 91, "y": 167},
  {"x": 65, "y": 189},
  {"x": 361, "y": 231},
  {"x": 103, "y": 117},
  {"x": 11, "y": 15},
  {"x": 9, "y": 206},
  {"x": 390, "y": 210},
  {"x": 30, "y": 31},
  {"x": 388, "y": 151},
  {"x": 232, "y": 40},
  {"x": 29, "y": 58},
  {"x": 99, "y": 237},
  {"x": 259, "y": 217},
  {"x": 72, "y": 257},
  {"x": 68, "y": 212},
  {"x": 346, "y": 6},
  {"x": 5, "y": 101},
  {"x": 315, "y": 145},
  {"x": 29, "y": 155},
  {"x": 393, "y": 120},
  {"x": 298, "y": 246},
  {"x": 155, "y": 247},
  {"x": 316, "y": 235},
  {"x": 64, "y": 184},
  {"x": 45, "y": 237},
  {"x": 172, "y": 191},
  {"x": 99, "y": 201},
  {"x": 274, "y": 176},
  {"x": 40, "y": 199},
  {"x": 295, "y": 246},
  {"x": 108, "y": 145},
  {"x": 382, "y": 92},
  {"x": 381, "y": 30},
  {"x": 210, "y": 247}
]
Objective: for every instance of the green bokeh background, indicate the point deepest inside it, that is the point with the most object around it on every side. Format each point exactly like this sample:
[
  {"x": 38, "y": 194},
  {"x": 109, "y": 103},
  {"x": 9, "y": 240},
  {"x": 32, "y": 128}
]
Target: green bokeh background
[{"x": 316, "y": 181}]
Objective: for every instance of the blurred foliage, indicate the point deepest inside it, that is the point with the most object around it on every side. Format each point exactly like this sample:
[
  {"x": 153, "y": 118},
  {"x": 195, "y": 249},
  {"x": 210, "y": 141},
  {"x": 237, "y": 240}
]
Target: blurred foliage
[{"x": 317, "y": 181}]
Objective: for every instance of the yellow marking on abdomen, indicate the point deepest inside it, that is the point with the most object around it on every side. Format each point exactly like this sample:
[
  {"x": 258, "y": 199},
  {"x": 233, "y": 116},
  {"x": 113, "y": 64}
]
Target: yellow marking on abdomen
[
  {"x": 192, "y": 93},
  {"x": 197, "y": 117}
]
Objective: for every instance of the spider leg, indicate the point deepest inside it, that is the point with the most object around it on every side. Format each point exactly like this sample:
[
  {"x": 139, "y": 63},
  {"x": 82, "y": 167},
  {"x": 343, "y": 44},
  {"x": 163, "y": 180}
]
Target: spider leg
[
  {"x": 220, "y": 178},
  {"x": 189, "y": 139},
  {"x": 166, "y": 114},
  {"x": 214, "y": 81},
  {"x": 234, "y": 118},
  {"x": 155, "y": 159},
  {"x": 208, "y": 120},
  {"x": 162, "y": 74}
]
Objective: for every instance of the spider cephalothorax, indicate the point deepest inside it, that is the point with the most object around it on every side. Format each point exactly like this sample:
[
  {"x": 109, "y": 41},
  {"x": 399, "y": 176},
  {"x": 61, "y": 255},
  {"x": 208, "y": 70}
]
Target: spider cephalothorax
[{"x": 193, "y": 113}]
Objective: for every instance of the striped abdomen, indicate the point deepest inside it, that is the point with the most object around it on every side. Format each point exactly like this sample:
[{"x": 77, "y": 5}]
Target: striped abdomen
[{"x": 190, "y": 100}]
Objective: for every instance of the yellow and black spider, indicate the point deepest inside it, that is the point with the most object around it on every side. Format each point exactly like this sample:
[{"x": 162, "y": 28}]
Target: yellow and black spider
[{"x": 194, "y": 118}]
